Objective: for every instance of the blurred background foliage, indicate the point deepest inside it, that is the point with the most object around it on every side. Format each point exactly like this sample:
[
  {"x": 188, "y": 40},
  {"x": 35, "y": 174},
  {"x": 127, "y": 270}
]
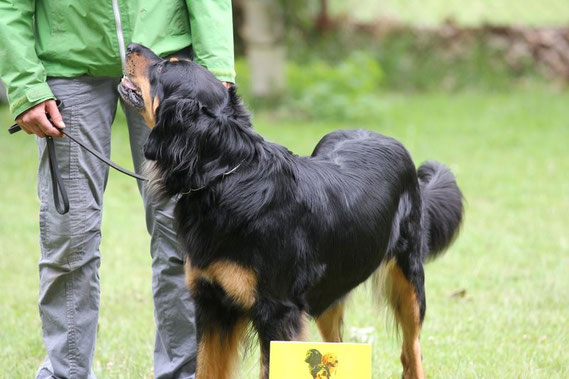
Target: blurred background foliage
[
  {"x": 332, "y": 59},
  {"x": 335, "y": 58}
]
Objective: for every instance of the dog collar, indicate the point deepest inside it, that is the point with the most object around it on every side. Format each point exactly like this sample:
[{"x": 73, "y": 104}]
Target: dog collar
[{"x": 204, "y": 186}]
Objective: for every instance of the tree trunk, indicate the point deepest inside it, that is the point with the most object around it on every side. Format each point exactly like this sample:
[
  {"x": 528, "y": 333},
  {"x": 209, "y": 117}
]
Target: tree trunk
[
  {"x": 323, "y": 23},
  {"x": 263, "y": 34}
]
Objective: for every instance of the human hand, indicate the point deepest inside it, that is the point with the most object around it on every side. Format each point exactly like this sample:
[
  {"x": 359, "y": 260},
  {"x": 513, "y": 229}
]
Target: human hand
[
  {"x": 34, "y": 120},
  {"x": 227, "y": 84}
]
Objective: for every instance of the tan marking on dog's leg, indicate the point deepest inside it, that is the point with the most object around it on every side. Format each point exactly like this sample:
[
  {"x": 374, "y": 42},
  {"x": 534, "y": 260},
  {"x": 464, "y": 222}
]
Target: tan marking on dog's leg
[
  {"x": 218, "y": 355},
  {"x": 237, "y": 281},
  {"x": 330, "y": 323},
  {"x": 407, "y": 313},
  {"x": 240, "y": 283}
]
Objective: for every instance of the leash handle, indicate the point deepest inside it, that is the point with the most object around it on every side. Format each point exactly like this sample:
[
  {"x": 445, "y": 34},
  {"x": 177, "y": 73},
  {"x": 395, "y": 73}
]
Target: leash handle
[
  {"x": 16, "y": 128},
  {"x": 60, "y": 198}
]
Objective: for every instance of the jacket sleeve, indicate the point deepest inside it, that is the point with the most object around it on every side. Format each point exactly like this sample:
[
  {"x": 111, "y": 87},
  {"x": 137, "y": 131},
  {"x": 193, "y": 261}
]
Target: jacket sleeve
[
  {"x": 211, "y": 24},
  {"x": 20, "y": 68}
]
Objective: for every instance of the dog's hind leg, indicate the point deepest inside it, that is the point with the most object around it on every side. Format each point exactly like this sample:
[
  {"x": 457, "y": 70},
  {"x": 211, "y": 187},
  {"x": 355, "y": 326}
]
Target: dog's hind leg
[
  {"x": 405, "y": 292},
  {"x": 277, "y": 322},
  {"x": 330, "y": 322}
]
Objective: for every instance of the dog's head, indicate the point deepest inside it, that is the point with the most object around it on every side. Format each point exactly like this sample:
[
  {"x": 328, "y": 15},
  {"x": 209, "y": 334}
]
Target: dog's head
[
  {"x": 200, "y": 129},
  {"x": 149, "y": 81}
]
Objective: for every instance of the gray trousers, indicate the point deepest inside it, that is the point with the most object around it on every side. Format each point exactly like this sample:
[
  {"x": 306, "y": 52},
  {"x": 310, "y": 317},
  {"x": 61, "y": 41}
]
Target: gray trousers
[{"x": 70, "y": 256}]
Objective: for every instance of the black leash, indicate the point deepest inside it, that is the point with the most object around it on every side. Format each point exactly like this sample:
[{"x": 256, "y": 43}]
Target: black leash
[{"x": 59, "y": 191}]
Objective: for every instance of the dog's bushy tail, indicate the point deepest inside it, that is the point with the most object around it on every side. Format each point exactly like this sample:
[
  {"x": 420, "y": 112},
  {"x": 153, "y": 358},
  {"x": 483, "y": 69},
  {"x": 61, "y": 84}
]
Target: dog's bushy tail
[{"x": 442, "y": 206}]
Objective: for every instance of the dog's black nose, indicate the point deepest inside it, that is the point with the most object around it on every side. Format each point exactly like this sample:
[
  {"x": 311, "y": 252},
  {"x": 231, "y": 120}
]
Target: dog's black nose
[
  {"x": 141, "y": 50},
  {"x": 132, "y": 48}
]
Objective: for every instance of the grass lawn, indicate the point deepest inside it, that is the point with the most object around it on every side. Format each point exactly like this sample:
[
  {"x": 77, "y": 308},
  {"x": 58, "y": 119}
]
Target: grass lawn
[{"x": 509, "y": 152}]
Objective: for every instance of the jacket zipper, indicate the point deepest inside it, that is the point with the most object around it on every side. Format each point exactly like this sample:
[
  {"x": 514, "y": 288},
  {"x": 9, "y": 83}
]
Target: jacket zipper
[{"x": 120, "y": 36}]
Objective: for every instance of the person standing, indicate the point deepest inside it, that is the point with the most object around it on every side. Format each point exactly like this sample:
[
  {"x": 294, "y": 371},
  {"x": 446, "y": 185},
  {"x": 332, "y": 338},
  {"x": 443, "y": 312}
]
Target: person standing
[{"x": 72, "y": 51}]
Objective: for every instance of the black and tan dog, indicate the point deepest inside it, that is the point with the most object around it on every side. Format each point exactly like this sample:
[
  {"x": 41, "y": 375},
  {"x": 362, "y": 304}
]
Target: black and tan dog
[{"x": 272, "y": 237}]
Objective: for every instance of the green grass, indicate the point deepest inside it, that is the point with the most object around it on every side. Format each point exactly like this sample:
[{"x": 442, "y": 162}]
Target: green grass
[
  {"x": 509, "y": 152},
  {"x": 474, "y": 12}
]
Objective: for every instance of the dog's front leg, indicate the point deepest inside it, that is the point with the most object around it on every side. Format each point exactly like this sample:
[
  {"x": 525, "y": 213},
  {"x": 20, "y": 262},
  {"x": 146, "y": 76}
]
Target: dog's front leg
[
  {"x": 219, "y": 332},
  {"x": 276, "y": 321}
]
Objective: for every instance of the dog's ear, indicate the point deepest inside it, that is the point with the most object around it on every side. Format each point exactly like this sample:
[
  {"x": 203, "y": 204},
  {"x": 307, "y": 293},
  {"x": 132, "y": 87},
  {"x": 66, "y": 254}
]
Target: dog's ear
[
  {"x": 186, "y": 108},
  {"x": 193, "y": 144},
  {"x": 175, "y": 141}
]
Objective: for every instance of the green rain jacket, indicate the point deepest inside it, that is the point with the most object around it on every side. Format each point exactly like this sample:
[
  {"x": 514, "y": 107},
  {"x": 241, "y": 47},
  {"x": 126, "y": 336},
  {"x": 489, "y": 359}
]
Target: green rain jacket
[{"x": 69, "y": 38}]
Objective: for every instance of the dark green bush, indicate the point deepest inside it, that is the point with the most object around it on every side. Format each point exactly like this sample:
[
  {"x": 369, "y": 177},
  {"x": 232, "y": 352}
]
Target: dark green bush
[{"x": 346, "y": 90}]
